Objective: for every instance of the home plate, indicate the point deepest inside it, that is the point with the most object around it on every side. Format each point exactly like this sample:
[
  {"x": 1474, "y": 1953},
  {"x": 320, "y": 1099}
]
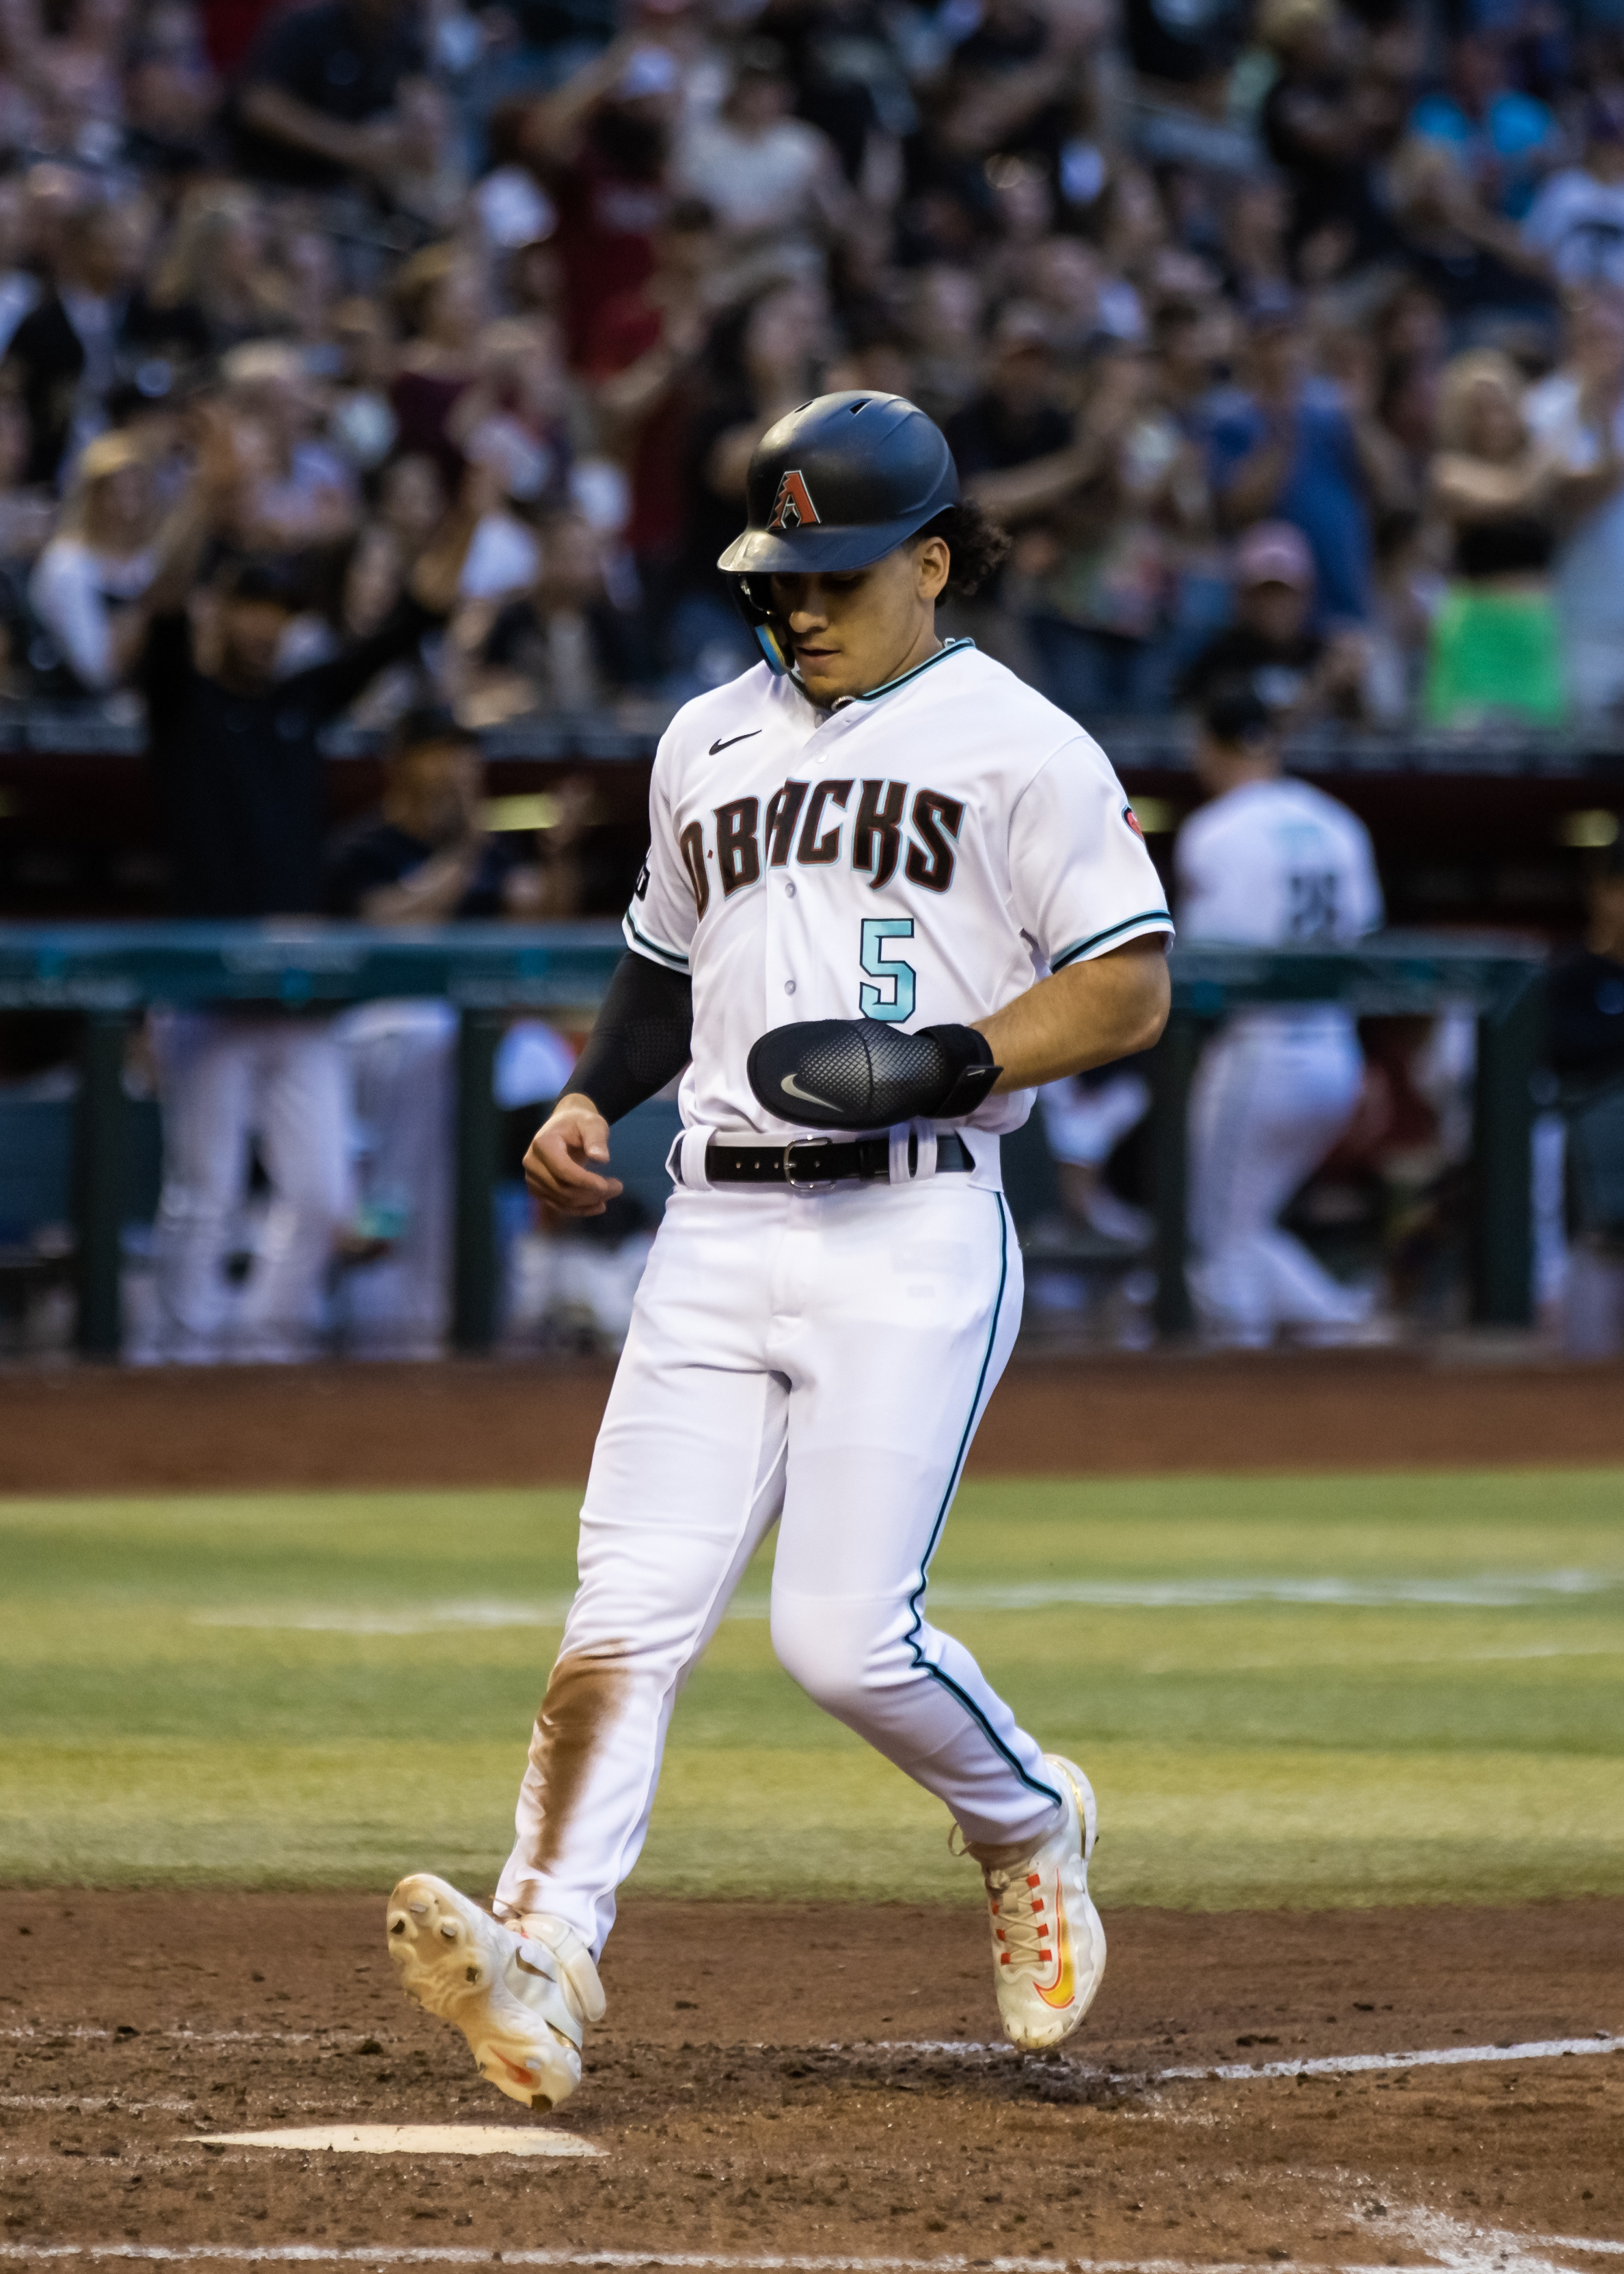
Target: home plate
[{"x": 408, "y": 2140}]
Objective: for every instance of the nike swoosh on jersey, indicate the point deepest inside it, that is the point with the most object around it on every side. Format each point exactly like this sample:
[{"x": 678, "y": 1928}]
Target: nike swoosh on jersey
[
  {"x": 791, "y": 1087},
  {"x": 732, "y": 739}
]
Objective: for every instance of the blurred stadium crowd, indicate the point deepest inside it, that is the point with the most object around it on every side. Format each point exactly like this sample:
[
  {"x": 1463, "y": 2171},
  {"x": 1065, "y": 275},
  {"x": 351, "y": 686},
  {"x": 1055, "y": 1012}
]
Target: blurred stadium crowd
[
  {"x": 1284, "y": 335},
  {"x": 400, "y": 362}
]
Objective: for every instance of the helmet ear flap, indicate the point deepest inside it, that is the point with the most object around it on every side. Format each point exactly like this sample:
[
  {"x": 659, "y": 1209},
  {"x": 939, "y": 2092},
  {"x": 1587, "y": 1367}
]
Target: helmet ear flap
[{"x": 752, "y": 598}]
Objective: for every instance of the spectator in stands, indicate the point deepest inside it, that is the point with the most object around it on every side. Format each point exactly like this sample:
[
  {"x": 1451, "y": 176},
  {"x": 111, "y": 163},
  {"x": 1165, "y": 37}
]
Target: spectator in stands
[
  {"x": 441, "y": 294},
  {"x": 1288, "y": 447},
  {"x": 1505, "y": 140},
  {"x": 425, "y": 856},
  {"x": 1020, "y": 414},
  {"x": 1256, "y": 269},
  {"x": 26, "y": 518},
  {"x": 97, "y": 567},
  {"x": 68, "y": 355},
  {"x": 642, "y": 358},
  {"x": 1272, "y": 648},
  {"x": 1577, "y": 220},
  {"x": 563, "y": 647},
  {"x": 602, "y": 142},
  {"x": 1100, "y": 513},
  {"x": 1490, "y": 281},
  {"x": 773, "y": 181},
  {"x": 1578, "y": 416},
  {"x": 1584, "y": 1025},
  {"x": 762, "y": 358},
  {"x": 217, "y": 263},
  {"x": 941, "y": 323},
  {"x": 170, "y": 96},
  {"x": 19, "y": 287},
  {"x": 302, "y": 493},
  {"x": 325, "y": 95},
  {"x": 1495, "y": 645},
  {"x": 1317, "y": 131},
  {"x": 516, "y": 419}
]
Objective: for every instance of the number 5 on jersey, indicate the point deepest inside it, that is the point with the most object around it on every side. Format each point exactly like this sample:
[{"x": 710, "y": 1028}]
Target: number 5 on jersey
[{"x": 892, "y": 998}]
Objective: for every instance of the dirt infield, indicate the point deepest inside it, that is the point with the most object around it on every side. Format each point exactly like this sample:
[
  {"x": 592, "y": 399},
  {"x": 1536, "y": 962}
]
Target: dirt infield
[
  {"x": 92, "y": 1430},
  {"x": 783, "y": 2080}
]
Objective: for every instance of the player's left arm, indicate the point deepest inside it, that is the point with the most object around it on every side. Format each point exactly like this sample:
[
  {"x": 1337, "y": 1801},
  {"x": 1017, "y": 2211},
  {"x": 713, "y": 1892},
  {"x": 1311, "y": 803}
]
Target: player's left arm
[{"x": 1086, "y": 1015}]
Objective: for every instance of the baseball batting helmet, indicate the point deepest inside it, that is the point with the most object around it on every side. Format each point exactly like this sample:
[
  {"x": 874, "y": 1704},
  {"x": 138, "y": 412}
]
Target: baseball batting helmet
[{"x": 836, "y": 485}]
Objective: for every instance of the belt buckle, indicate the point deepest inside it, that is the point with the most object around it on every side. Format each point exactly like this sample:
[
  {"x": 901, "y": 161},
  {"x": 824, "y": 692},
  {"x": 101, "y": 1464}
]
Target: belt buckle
[{"x": 806, "y": 1184}]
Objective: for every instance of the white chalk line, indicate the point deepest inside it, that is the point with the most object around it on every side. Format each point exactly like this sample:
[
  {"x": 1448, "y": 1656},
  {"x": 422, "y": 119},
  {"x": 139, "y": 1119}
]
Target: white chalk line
[
  {"x": 1460, "y": 2250},
  {"x": 1466, "y": 2249},
  {"x": 698, "y": 2262},
  {"x": 1226, "y": 2072},
  {"x": 1485, "y": 1591},
  {"x": 1332, "y": 2065}
]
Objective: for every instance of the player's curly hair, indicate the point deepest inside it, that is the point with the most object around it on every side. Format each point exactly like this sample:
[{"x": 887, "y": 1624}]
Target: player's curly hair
[{"x": 977, "y": 544}]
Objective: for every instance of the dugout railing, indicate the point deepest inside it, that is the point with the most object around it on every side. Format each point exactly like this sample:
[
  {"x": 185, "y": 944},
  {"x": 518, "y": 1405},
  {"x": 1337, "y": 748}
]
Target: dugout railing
[{"x": 111, "y": 974}]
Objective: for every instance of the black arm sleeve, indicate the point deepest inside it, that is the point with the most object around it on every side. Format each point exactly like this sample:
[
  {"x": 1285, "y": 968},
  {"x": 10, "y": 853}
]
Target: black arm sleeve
[{"x": 642, "y": 1036}]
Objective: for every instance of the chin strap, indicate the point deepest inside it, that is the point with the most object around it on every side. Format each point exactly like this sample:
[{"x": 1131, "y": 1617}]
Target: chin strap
[{"x": 771, "y": 646}]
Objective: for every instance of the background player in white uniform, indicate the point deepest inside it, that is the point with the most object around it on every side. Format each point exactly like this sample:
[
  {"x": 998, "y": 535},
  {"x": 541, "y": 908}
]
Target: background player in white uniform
[
  {"x": 1269, "y": 862},
  {"x": 866, "y": 867}
]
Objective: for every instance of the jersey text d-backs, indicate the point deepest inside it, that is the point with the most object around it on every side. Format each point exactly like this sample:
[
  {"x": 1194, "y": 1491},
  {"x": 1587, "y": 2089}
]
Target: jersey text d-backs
[{"x": 919, "y": 854}]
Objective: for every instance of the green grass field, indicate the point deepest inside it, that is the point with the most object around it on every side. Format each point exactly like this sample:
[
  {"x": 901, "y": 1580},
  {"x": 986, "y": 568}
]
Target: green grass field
[{"x": 1318, "y": 1690}]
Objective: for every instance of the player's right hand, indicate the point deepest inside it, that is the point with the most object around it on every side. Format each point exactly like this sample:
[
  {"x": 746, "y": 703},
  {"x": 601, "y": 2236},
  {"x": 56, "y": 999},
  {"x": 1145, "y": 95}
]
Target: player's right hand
[{"x": 555, "y": 1167}]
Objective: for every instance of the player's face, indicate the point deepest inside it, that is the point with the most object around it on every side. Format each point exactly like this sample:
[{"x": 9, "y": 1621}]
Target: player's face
[{"x": 853, "y": 632}]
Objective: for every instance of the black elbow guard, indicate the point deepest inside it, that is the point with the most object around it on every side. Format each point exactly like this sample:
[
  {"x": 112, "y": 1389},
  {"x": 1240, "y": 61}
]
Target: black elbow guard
[{"x": 861, "y": 1074}]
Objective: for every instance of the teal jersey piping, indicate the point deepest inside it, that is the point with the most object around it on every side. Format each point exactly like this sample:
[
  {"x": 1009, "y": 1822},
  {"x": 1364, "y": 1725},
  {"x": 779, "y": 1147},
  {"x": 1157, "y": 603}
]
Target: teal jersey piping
[
  {"x": 914, "y": 1600},
  {"x": 636, "y": 938},
  {"x": 1145, "y": 916},
  {"x": 948, "y": 647}
]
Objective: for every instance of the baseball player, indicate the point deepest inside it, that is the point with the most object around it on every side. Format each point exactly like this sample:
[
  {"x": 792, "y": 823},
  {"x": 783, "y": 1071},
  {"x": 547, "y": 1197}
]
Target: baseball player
[
  {"x": 889, "y": 891},
  {"x": 1271, "y": 862}
]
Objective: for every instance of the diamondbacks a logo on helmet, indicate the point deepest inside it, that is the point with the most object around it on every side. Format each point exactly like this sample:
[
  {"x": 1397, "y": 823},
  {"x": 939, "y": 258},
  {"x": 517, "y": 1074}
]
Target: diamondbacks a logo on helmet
[{"x": 793, "y": 507}]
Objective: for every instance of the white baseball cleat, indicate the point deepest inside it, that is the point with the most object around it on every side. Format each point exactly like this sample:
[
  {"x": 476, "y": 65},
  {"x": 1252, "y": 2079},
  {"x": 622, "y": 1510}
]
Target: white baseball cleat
[
  {"x": 1047, "y": 1944},
  {"x": 519, "y": 1999}
]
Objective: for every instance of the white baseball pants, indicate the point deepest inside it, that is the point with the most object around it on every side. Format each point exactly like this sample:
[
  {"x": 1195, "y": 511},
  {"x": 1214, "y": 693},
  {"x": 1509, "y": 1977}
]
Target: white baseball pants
[
  {"x": 402, "y": 1057},
  {"x": 1271, "y": 1097},
  {"x": 820, "y": 1362},
  {"x": 225, "y": 1077}
]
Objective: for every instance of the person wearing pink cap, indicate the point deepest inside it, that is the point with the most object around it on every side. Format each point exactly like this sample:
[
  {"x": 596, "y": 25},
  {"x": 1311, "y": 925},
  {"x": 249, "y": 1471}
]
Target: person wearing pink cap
[{"x": 1295, "y": 671}]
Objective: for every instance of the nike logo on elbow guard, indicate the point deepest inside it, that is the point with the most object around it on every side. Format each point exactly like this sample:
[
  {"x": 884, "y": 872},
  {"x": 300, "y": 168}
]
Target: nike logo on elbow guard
[
  {"x": 791, "y": 1088},
  {"x": 719, "y": 745}
]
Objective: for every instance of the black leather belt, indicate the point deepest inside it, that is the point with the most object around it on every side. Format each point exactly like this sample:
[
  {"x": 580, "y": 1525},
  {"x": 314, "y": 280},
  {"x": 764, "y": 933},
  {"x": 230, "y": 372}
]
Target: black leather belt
[{"x": 810, "y": 1161}]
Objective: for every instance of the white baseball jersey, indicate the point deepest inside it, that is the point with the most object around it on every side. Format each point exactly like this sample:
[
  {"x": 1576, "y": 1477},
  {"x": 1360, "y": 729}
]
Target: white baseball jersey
[
  {"x": 1271, "y": 864},
  {"x": 1277, "y": 864},
  {"x": 921, "y": 854}
]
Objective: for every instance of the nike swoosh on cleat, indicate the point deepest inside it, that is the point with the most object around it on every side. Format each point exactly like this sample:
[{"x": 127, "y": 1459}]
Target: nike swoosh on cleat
[
  {"x": 732, "y": 739},
  {"x": 1063, "y": 1988},
  {"x": 792, "y": 1088}
]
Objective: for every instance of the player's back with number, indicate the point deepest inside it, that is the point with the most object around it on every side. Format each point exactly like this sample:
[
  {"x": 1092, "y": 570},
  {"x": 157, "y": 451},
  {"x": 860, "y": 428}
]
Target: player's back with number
[{"x": 1276, "y": 863}]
